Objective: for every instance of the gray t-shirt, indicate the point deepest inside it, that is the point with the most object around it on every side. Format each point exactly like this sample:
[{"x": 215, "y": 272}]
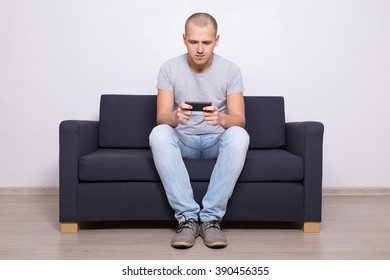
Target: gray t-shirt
[{"x": 223, "y": 78}]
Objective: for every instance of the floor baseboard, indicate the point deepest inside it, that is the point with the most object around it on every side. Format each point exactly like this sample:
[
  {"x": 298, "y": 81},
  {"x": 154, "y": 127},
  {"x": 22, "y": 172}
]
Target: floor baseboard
[
  {"x": 356, "y": 190},
  {"x": 325, "y": 191},
  {"x": 29, "y": 190}
]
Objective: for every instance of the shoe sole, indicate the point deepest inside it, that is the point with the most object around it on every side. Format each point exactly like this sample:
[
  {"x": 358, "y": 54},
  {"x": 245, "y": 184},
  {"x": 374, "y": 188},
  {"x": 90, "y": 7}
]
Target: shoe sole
[
  {"x": 216, "y": 245},
  {"x": 182, "y": 245}
]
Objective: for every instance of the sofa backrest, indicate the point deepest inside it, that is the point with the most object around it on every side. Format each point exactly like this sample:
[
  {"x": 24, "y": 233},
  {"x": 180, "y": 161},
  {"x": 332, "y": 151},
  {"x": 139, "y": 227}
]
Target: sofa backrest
[
  {"x": 125, "y": 121},
  {"x": 265, "y": 121}
]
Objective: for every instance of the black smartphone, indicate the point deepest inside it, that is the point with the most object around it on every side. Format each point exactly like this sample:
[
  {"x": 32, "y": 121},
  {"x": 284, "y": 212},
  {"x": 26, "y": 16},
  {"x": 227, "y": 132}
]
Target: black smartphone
[{"x": 198, "y": 105}]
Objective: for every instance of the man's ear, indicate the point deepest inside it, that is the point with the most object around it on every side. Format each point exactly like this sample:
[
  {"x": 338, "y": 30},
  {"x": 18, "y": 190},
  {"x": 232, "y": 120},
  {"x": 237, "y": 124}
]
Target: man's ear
[
  {"x": 184, "y": 39},
  {"x": 216, "y": 40}
]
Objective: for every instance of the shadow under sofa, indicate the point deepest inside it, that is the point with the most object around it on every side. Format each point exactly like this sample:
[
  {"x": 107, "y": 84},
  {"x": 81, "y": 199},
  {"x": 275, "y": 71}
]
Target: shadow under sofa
[{"x": 107, "y": 171}]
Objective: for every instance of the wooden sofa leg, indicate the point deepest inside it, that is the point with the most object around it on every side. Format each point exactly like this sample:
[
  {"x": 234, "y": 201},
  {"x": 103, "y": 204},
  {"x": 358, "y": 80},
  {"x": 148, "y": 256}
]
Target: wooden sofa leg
[
  {"x": 69, "y": 227},
  {"x": 311, "y": 227}
]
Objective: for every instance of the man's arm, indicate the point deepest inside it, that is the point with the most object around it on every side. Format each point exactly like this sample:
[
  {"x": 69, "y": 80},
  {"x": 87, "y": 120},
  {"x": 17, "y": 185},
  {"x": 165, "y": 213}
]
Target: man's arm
[
  {"x": 235, "y": 116},
  {"x": 165, "y": 113}
]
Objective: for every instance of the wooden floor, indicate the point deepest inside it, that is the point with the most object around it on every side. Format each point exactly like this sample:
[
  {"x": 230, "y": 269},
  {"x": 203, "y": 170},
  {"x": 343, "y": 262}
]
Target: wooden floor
[{"x": 353, "y": 227}]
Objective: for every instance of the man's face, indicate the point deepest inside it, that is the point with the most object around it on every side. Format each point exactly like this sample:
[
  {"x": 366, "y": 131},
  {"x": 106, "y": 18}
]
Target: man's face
[{"x": 200, "y": 43}]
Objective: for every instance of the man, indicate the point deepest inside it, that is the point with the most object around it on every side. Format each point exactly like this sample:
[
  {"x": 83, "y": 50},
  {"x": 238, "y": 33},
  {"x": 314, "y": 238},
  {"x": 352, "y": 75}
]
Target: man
[{"x": 215, "y": 132}]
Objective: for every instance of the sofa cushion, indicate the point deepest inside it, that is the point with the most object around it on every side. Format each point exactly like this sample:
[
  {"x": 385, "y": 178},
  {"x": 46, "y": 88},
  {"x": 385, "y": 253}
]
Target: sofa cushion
[
  {"x": 265, "y": 121},
  {"x": 125, "y": 121},
  {"x": 137, "y": 165},
  {"x": 118, "y": 165},
  {"x": 276, "y": 165}
]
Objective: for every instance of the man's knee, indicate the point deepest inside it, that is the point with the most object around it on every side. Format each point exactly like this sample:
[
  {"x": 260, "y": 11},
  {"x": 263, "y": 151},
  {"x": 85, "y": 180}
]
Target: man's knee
[
  {"x": 237, "y": 135},
  {"x": 160, "y": 133}
]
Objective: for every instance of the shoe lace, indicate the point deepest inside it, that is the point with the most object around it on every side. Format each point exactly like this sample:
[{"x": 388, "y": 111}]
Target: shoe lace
[
  {"x": 186, "y": 224},
  {"x": 212, "y": 224}
]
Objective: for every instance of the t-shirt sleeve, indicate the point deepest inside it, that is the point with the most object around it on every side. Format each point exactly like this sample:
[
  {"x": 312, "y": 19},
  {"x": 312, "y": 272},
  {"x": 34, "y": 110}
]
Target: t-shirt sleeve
[
  {"x": 235, "y": 84},
  {"x": 164, "y": 80}
]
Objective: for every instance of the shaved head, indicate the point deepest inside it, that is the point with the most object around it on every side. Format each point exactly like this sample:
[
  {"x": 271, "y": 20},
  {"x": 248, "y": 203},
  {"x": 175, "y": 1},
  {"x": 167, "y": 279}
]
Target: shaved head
[{"x": 202, "y": 20}]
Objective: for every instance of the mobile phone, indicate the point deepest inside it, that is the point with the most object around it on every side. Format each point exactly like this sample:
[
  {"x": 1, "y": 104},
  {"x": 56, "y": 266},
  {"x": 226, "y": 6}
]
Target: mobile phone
[{"x": 198, "y": 105}]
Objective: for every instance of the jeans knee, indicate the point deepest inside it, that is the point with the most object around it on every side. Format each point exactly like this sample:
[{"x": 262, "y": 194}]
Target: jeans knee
[
  {"x": 238, "y": 135},
  {"x": 160, "y": 133}
]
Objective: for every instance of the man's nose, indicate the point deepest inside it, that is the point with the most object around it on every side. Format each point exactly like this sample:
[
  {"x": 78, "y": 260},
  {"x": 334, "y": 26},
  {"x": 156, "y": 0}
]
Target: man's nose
[{"x": 200, "y": 49}]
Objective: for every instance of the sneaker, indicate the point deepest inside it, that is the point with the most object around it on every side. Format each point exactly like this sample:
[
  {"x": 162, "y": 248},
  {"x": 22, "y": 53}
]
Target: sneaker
[
  {"x": 213, "y": 235},
  {"x": 186, "y": 234}
]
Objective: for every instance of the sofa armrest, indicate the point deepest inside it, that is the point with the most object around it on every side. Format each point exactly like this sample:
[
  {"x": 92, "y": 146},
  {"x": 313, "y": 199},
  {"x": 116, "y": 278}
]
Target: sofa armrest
[
  {"x": 77, "y": 138},
  {"x": 305, "y": 139}
]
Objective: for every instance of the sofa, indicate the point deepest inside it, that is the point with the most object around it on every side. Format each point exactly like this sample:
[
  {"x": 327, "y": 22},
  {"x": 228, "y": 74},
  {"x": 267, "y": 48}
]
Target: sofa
[{"x": 107, "y": 173}]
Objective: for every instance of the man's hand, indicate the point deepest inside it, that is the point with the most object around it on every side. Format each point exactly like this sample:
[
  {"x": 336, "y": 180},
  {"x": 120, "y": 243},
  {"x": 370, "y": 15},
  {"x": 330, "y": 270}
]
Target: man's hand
[
  {"x": 212, "y": 116},
  {"x": 183, "y": 113},
  {"x": 235, "y": 117}
]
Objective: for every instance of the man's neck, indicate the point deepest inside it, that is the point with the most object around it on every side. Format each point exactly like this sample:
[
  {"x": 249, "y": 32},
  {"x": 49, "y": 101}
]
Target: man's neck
[{"x": 200, "y": 69}]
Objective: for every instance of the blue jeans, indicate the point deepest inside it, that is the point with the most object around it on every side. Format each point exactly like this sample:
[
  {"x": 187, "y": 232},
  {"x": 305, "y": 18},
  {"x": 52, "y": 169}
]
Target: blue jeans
[{"x": 169, "y": 147}]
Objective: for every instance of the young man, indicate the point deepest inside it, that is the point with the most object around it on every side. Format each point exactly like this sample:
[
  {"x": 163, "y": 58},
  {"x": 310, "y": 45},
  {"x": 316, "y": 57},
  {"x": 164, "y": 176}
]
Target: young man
[{"x": 216, "y": 132}]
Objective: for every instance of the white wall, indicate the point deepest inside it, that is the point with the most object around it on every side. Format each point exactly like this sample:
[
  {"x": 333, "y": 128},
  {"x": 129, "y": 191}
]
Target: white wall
[{"x": 329, "y": 58}]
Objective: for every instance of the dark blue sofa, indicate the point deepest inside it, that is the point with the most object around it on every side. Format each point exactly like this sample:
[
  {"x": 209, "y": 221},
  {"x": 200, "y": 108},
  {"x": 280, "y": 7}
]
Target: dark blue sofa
[{"x": 107, "y": 171}]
